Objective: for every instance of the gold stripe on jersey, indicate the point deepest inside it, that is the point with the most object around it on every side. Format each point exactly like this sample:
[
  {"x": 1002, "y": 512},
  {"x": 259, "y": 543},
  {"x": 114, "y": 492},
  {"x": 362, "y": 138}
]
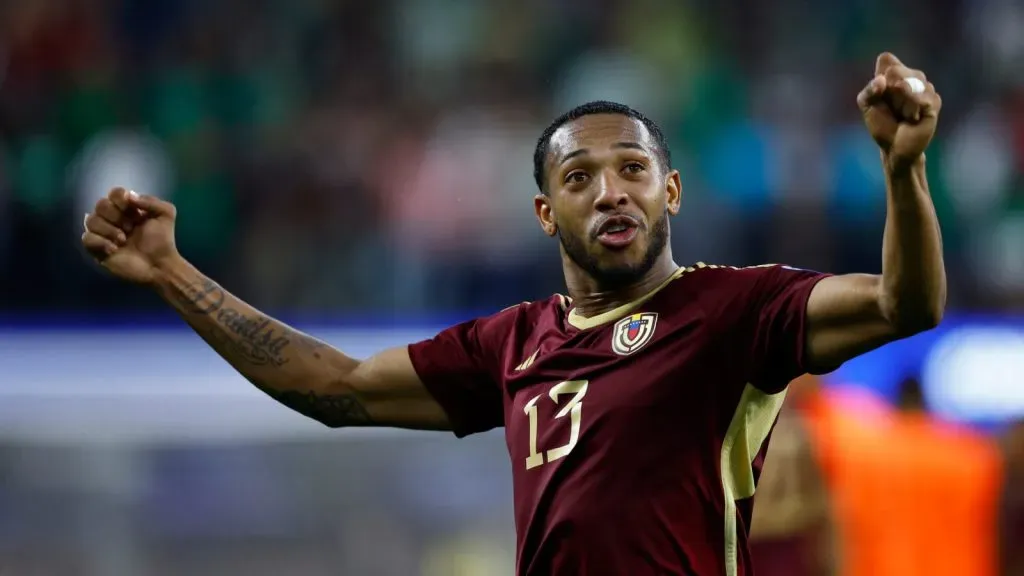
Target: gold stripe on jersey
[
  {"x": 584, "y": 323},
  {"x": 564, "y": 301},
  {"x": 528, "y": 362},
  {"x": 751, "y": 422}
]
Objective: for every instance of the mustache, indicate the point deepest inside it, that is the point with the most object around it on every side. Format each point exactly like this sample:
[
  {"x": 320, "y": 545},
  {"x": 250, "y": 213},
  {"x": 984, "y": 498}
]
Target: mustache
[{"x": 616, "y": 218}]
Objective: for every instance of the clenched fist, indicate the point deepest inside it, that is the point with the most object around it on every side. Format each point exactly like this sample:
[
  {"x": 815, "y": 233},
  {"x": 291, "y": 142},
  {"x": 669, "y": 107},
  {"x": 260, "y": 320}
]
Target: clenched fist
[
  {"x": 901, "y": 110},
  {"x": 131, "y": 235}
]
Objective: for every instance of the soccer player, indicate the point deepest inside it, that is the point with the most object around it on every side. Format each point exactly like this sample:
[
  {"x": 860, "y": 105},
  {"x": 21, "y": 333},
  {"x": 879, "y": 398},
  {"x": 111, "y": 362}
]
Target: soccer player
[{"x": 637, "y": 407}]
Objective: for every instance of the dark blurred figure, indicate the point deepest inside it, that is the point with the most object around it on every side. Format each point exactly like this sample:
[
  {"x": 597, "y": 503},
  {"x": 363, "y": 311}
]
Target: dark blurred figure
[
  {"x": 1012, "y": 506},
  {"x": 792, "y": 527},
  {"x": 910, "y": 397}
]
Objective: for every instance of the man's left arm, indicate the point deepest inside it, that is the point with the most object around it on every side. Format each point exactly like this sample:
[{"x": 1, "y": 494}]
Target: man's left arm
[{"x": 852, "y": 314}]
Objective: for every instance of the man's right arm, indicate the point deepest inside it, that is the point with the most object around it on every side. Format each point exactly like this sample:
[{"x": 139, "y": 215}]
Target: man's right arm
[{"x": 296, "y": 369}]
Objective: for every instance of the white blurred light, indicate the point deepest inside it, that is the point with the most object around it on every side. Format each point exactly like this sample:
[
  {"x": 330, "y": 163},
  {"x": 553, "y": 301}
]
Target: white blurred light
[
  {"x": 976, "y": 374},
  {"x": 168, "y": 388},
  {"x": 978, "y": 161},
  {"x": 1007, "y": 243},
  {"x": 128, "y": 158}
]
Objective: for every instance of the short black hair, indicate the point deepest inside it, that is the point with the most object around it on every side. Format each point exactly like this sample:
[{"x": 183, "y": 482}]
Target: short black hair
[{"x": 540, "y": 153}]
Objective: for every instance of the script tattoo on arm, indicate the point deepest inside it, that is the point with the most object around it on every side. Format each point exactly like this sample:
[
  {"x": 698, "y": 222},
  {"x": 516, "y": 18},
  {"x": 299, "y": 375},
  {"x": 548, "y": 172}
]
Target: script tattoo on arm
[
  {"x": 254, "y": 338},
  {"x": 293, "y": 368}
]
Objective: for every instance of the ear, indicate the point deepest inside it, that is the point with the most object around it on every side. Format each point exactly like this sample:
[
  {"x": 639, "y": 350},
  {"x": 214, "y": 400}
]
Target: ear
[
  {"x": 674, "y": 192},
  {"x": 545, "y": 215}
]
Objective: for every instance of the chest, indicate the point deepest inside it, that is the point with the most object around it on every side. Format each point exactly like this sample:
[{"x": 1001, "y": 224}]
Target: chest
[{"x": 608, "y": 388}]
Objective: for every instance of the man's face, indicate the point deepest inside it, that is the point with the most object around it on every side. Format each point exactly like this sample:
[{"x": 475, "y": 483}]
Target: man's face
[{"x": 609, "y": 197}]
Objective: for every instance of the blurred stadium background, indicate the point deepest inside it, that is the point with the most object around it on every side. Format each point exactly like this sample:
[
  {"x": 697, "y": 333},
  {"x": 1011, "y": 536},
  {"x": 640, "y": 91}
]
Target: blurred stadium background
[{"x": 364, "y": 168}]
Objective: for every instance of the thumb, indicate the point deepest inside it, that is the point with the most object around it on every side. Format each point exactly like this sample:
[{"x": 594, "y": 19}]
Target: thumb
[
  {"x": 885, "y": 61},
  {"x": 151, "y": 204}
]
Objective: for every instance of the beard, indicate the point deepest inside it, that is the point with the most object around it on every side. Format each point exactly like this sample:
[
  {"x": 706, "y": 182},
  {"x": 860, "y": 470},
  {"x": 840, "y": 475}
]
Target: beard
[{"x": 610, "y": 277}]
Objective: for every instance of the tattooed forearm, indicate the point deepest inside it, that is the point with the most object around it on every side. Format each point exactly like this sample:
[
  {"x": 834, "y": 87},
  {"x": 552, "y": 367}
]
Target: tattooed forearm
[
  {"x": 297, "y": 370},
  {"x": 201, "y": 296},
  {"x": 250, "y": 336},
  {"x": 334, "y": 410}
]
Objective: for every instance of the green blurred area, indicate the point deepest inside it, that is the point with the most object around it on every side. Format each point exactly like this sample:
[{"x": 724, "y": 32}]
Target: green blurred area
[{"x": 323, "y": 117}]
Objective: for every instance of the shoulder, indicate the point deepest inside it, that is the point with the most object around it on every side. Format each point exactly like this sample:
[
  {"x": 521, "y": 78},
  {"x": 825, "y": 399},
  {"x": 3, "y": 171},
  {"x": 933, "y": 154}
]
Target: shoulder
[
  {"x": 753, "y": 299},
  {"x": 480, "y": 343},
  {"x": 555, "y": 302},
  {"x": 726, "y": 273},
  {"x": 722, "y": 283},
  {"x": 717, "y": 284},
  {"x": 533, "y": 313}
]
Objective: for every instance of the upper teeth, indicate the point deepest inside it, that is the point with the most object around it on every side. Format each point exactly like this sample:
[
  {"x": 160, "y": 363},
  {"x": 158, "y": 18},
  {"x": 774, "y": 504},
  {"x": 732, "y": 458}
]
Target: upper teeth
[{"x": 616, "y": 228}]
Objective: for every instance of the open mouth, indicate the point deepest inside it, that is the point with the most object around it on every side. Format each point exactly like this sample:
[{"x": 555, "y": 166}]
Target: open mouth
[{"x": 617, "y": 232}]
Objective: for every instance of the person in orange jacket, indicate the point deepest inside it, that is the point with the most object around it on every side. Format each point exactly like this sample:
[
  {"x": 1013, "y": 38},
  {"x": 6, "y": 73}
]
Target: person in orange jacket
[{"x": 909, "y": 494}]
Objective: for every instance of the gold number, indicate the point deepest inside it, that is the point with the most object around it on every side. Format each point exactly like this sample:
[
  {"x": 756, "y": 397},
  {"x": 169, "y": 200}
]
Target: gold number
[
  {"x": 573, "y": 408},
  {"x": 535, "y": 458}
]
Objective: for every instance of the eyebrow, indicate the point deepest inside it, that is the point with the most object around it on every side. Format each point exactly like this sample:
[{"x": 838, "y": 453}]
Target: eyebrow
[{"x": 617, "y": 145}]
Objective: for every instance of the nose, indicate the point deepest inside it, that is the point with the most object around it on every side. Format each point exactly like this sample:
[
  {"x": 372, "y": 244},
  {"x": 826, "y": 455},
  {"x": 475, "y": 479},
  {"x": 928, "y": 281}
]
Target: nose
[{"x": 610, "y": 194}]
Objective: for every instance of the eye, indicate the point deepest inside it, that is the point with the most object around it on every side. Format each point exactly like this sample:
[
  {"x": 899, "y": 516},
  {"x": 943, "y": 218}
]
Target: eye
[
  {"x": 576, "y": 177},
  {"x": 634, "y": 168}
]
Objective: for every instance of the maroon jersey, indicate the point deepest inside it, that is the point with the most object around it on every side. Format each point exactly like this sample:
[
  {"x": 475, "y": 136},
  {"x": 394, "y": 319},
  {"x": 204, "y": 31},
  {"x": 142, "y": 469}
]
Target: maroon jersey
[{"x": 636, "y": 436}]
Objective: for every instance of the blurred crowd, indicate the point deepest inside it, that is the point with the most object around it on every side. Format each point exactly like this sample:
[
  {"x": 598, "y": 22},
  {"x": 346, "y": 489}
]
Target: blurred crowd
[{"x": 334, "y": 156}]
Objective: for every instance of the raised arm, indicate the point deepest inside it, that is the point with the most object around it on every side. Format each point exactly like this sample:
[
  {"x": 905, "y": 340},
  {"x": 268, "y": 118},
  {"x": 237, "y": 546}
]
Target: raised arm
[
  {"x": 852, "y": 314},
  {"x": 133, "y": 237},
  {"x": 298, "y": 370}
]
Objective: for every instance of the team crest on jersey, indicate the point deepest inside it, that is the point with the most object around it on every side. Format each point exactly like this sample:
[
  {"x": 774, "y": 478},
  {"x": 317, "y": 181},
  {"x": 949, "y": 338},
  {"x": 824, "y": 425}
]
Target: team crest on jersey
[{"x": 633, "y": 332}]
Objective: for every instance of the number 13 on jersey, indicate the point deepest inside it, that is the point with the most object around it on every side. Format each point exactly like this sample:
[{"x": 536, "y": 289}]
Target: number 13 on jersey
[{"x": 573, "y": 409}]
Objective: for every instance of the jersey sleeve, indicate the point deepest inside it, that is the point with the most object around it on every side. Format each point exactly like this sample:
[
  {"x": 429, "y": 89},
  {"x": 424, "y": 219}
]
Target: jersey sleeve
[
  {"x": 459, "y": 367},
  {"x": 764, "y": 313}
]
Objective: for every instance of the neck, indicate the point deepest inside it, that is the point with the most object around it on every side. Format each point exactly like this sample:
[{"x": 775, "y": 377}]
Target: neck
[{"x": 590, "y": 298}]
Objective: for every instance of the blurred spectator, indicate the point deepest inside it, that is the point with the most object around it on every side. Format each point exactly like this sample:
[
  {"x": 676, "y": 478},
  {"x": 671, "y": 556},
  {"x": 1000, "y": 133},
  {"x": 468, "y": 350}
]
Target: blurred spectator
[{"x": 912, "y": 495}]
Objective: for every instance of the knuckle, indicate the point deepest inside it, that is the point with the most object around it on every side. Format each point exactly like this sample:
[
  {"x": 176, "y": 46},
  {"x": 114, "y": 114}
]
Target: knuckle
[{"x": 108, "y": 213}]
